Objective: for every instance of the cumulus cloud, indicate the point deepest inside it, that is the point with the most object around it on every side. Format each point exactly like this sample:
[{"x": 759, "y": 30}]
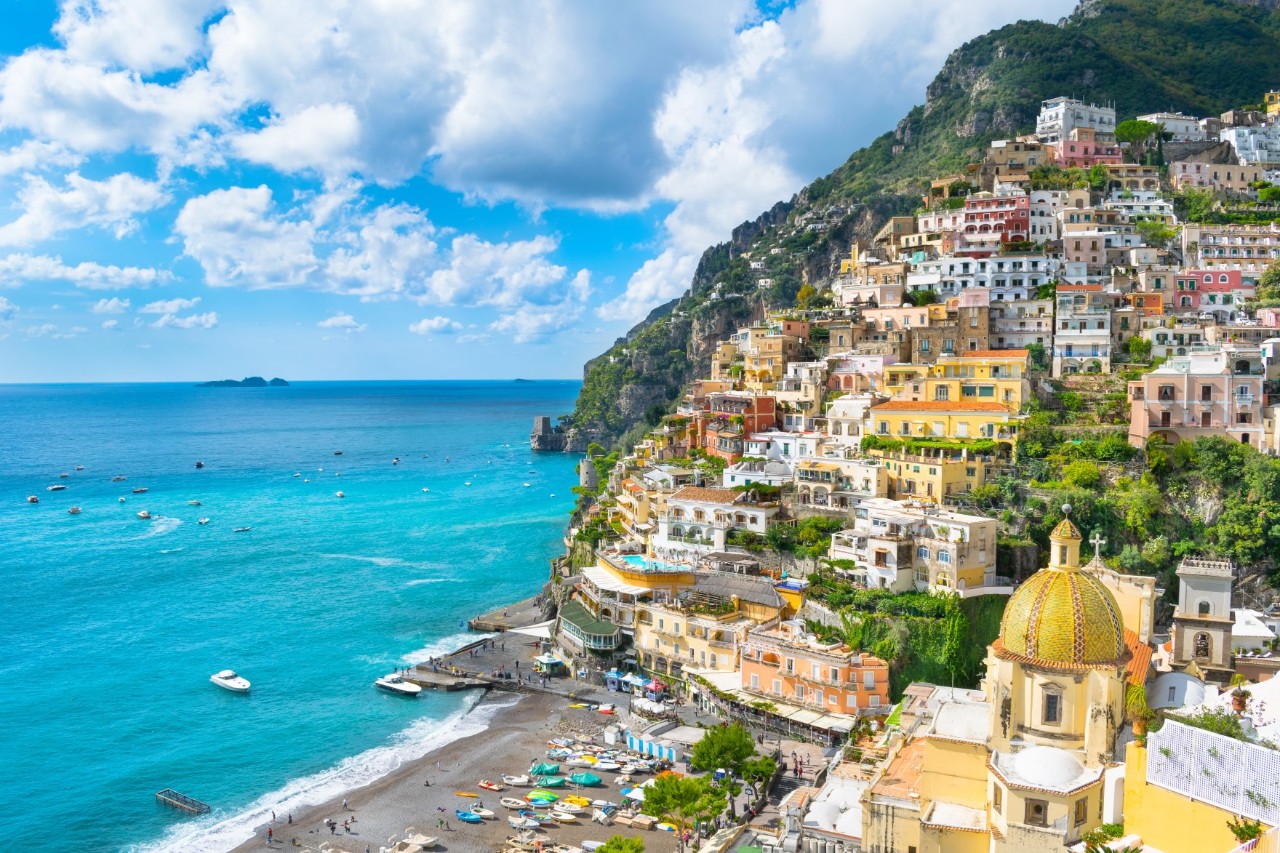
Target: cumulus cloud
[
  {"x": 34, "y": 155},
  {"x": 192, "y": 321},
  {"x": 112, "y": 204},
  {"x": 7, "y": 309},
  {"x": 114, "y": 305},
  {"x": 434, "y": 325},
  {"x": 169, "y": 306},
  {"x": 17, "y": 269},
  {"x": 108, "y": 325},
  {"x": 238, "y": 238},
  {"x": 343, "y": 322},
  {"x": 319, "y": 138}
]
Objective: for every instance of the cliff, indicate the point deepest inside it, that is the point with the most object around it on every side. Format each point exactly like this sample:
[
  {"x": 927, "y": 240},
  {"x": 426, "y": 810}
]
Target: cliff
[{"x": 1201, "y": 56}]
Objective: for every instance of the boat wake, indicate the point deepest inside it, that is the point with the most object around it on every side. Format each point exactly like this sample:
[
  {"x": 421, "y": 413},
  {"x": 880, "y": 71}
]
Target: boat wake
[
  {"x": 421, "y": 581},
  {"x": 160, "y": 525},
  {"x": 219, "y": 832}
]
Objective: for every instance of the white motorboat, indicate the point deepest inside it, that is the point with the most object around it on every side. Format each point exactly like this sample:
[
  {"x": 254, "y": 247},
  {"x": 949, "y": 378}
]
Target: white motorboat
[
  {"x": 520, "y": 781},
  {"x": 57, "y": 487},
  {"x": 64, "y": 475},
  {"x": 144, "y": 515},
  {"x": 339, "y": 495},
  {"x": 79, "y": 467},
  {"x": 75, "y": 510},
  {"x": 118, "y": 479},
  {"x": 241, "y": 529},
  {"x": 193, "y": 503},
  {"x": 393, "y": 683},
  {"x": 32, "y": 499},
  {"x": 610, "y": 766},
  {"x": 203, "y": 521},
  {"x": 228, "y": 680},
  {"x": 140, "y": 491}
]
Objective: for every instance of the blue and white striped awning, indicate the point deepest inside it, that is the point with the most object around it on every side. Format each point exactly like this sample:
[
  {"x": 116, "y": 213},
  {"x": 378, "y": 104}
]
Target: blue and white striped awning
[{"x": 650, "y": 747}]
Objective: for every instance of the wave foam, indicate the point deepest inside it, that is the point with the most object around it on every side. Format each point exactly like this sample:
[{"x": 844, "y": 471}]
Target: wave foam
[
  {"x": 160, "y": 525},
  {"x": 219, "y": 833},
  {"x": 444, "y": 646}
]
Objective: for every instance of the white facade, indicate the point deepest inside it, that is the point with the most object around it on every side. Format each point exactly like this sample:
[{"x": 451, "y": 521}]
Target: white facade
[
  {"x": 1255, "y": 146},
  {"x": 698, "y": 520},
  {"x": 1059, "y": 116},
  {"x": 1018, "y": 325},
  {"x": 1144, "y": 205},
  {"x": 848, "y": 417},
  {"x": 1081, "y": 336},
  {"x": 1184, "y": 128},
  {"x": 1008, "y": 278}
]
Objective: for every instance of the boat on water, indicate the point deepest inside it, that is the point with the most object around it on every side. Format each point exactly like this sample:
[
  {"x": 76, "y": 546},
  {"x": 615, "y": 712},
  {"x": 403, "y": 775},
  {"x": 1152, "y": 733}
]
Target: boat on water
[
  {"x": 199, "y": 464},
  {"x": 228, "y": 680},
  {"x": 193, "y": 503},
  {"x": 337, "y": 453},
  {"x": 203, "y": 521},
  {"x": 75, "y": 510},
  {"x": 526, "y": 485},
  {"x": 144, "y": 515},
  {"x": 32, "y": 499},
  {"x": 122, "y": 499},
  {"x": 118, "y": 479},
  {"x": 393, "y": 683},
  {"x": 57, "y": 487},
  {"x": 79, "y": 467},
  {"x": 468, "y": 817},
  {"x": 64, "y": 475},
  {"x": 297, "y": 473},
  {"x": 467, "y": 483},
  {"x": 140, "y": 490},
  {"x": 339, "y": 495},
  {"x": 241, "y": 529}
]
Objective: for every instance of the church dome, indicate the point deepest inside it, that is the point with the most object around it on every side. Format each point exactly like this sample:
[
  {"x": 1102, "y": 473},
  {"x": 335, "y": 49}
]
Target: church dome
[{"x": 1063, "y": 617}]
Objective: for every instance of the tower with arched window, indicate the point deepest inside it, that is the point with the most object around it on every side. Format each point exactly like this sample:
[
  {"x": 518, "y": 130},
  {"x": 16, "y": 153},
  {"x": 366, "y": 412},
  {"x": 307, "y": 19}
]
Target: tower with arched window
[{"x": 1203, "y": 620}]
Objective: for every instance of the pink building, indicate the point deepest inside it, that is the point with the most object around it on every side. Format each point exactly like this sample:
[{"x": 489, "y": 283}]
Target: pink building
[
  {"x": 1082, "y": 149},
  {"x": 991, "y": 220},
  {"x": 1218, "y": 291},
  {"x": 1209, "y": 391}
]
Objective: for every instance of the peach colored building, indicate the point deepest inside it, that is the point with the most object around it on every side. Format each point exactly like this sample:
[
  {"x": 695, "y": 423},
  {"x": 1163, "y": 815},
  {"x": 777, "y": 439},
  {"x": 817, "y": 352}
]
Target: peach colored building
[
  {"x": 788, "y": 663},
  {"x": 1209, "y": 391},
  {"x": 1083, "y": 149}
]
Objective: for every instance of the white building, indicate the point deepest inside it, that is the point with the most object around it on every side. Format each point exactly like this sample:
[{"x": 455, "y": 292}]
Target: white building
[
  {"x": 848, "y": 417},
  {"x": 697, "y": 521},
  {"x": 1142, "y": 206},
  {"x": 1255, "y": 146},
  {"x": 1059, "y": 116},
  {"x": 1183, "y": 127},
  {"x": 772, "y": 472},
  {"x": 1082, "y": 334},
  {"x": 1018, "y": 325},
  {"x": 1007, "y": 277},
  {"x": 903, "y": 545}
]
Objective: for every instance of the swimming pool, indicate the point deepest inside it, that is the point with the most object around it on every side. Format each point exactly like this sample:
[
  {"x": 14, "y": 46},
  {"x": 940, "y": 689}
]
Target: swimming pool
[{"x": 641, "y": 563}]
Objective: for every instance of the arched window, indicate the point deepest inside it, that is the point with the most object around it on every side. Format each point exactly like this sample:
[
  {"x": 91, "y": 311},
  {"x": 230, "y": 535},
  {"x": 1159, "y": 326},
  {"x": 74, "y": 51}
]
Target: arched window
[
  {"x": 944, "y": 557},
  {"x": 922, "y": 552},
  {"x": 1203, "y": 609},
  {"x": 1202, "y": 646},
  {"x": 677, "y": 530}
]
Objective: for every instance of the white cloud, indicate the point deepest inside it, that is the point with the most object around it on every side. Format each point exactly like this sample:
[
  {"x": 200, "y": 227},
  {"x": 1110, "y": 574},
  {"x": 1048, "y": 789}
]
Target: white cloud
[
  {"x": 169, "y": 306},
  {"x": 657, "y": 281},
  {"x": 7, "y": 309},
  {"x": 114, "y": 305},
  {"x": 50, "y": 330},
  {"x": 192, "y": 321},
  {"x": 17, "y": 269},
  {"x": 33, "y": 155},
  {"x": 112, "y": 204},
  {"x": 343, "y": 322},
  {"x": 145, "y": 35},
  {"x": 434, "y": 325},
  {"x": 239, "y": 239},
  {"x": 108, "y": 325},
  {"x": 320, "y": 138}
]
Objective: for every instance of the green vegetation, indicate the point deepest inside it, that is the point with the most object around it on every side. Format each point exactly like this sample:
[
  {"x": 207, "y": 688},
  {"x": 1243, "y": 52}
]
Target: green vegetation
[
  {"x": 810, "y": 538},
  {"x": 683, "y": 801},
  {"x": 623, "y": 844}
]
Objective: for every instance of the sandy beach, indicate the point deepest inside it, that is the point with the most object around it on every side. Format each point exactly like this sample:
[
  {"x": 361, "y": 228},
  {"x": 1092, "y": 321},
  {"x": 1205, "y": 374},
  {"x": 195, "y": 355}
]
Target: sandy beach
[{"x": 384, "y": 809}]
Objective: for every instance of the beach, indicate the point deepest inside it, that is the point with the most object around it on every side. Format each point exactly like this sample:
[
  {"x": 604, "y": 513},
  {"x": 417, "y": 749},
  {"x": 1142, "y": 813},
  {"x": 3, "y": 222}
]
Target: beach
[{"x": 518, "y": 733}]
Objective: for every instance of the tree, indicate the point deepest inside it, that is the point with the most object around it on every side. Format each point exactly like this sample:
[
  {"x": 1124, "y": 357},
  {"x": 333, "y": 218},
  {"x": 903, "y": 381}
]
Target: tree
[
  {"x": 1156, "y": 233},
  {"x": 955, "y": 642},
  {"x": 623, "y": 844},
  {"x": 724, "y": 747},
  {"x": 1139, "y": 348},
  {"x": 1039, "y": 356},
  {"x": 1082, "y": 474},
  {"x": 683, "y": 801},
  {"x": 922, "y": 296},
  {"x": 1137, "y": 134},
  {"x": 1269, "y": 283}
]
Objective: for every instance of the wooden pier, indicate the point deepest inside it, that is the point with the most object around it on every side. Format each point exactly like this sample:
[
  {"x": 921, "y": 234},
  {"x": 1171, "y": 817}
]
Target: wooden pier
[{"x": 170, "y": 797}]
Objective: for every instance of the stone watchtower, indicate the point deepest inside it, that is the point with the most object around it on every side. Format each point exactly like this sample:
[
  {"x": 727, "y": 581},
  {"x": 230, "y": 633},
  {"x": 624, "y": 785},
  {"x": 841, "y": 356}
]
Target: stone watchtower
[{"x": 1203, "y": 620}]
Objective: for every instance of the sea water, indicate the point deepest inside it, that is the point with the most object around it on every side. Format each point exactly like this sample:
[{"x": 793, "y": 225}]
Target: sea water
[{"x": 111, "y": 625}]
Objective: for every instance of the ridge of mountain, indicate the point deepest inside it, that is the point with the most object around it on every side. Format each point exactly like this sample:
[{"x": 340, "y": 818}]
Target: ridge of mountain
[{"x": 1197, "y": 56}]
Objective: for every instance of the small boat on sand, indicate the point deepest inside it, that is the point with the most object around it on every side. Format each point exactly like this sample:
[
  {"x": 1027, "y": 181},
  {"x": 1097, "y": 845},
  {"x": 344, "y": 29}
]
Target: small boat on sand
[
  {"x": 489, "y": 786},
  {"x": 393, "y": 683},
  {"x": 516, "y": 843},
  {"x": 228, "y": 680},
  {"x": 467, "y": 794},
  {"x": 512, "y": 803},
  {"x": 484, "y": 813},
  {"x": 562, "y": 816},
  {"x": 468, "y": 817},
  {"x": 521, "y": 781}
]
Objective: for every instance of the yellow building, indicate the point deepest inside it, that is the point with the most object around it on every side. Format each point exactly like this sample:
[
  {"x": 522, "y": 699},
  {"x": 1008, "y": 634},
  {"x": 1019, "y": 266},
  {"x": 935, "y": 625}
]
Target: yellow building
[
  {"x": 1020, "y": 767},
  {"x": 943, "y": 419},
  {"x": 766, "y": 361},
  {"x": 635, "y": 510},
  {"x": 933, "y": 473},
  {"x": 1273, "y": 103},
  {"x": 700, "y": 629},
  {"x": 980, "y": 375}
]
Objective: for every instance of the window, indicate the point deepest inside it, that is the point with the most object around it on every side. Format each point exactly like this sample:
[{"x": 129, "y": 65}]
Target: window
[
  {"x": 791, "y": 665},
  {"x": 942, "y": 392},
  {"x": 777, "y": 687},
  {"x": 755, "y": 681},
  {"x": 1173, "y": 693},
  {"x": 997, "y": 798},
  {"x": 1082, "y": 810},
  {"x": 868, "y": 680},
  {"x": 922, "y": 552},
  {"x": 835, "y": 675},
  {"x": 1052, "y": 708},
  {"x": 1037, "y": 813},
  {"x": 944, "y": 557},
  {"x": 1203, "y": 608}
]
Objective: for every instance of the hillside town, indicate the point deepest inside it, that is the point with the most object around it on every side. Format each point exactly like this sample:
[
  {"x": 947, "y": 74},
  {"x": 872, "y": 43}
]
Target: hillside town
[{"x": 769, "y": 551}]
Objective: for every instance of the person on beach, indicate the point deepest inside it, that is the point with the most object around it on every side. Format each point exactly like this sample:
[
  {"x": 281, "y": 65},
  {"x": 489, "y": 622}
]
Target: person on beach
[
  {"x": 290, "y": 818},
  {"x": 273, "y": 817},
  {"x": 270, "y": 836},
  {"x": 344, "y": 805}
]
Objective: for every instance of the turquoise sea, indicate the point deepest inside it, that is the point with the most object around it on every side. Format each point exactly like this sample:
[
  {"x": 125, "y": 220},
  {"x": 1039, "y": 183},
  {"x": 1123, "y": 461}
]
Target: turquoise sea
[{"x": 110, "y": 625}]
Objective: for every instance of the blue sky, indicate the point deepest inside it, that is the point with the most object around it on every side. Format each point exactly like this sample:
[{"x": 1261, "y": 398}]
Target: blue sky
[{"x": 317, "y": 189}]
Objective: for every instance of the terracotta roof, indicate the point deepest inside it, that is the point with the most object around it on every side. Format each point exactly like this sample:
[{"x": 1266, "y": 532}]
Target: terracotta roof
[
  {"x": 712, "y": 496},
  {"x": 1140, "y": 660},
  {"x": 994, "y": 353},
  {"x": 939, "y": 406}
]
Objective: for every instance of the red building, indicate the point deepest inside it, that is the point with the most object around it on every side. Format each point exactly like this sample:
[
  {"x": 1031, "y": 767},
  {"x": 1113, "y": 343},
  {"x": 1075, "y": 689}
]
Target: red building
[
  {"x": 991, "y": 220},
  {"x": 730, "y": 416}
]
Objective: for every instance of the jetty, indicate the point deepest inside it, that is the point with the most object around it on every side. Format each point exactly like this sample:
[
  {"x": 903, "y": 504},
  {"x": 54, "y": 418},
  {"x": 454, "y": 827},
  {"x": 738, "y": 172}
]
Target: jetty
[{"x": 170, "y": 797}]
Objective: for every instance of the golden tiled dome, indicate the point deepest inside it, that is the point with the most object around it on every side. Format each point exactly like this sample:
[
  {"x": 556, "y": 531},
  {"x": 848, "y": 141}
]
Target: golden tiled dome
[{"x": 1061, "y": 616}]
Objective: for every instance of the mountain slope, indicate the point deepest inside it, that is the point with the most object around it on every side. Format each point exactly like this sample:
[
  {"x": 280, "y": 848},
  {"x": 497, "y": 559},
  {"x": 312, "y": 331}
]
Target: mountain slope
[{"x": 1198, "y": 56}]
